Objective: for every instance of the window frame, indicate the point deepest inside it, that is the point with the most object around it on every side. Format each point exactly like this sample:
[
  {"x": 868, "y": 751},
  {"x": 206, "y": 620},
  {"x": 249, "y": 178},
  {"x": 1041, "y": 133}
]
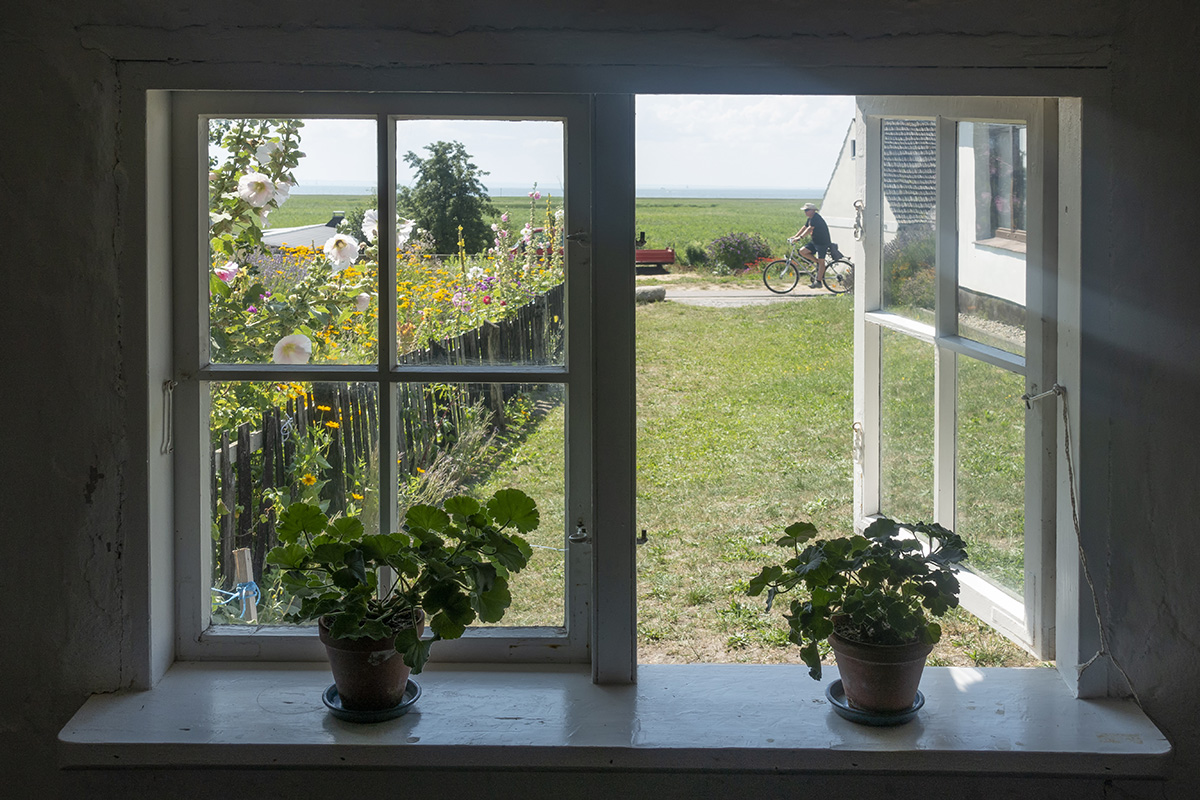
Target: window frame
[
  {"x": 195, "y": 639},
  {"x": 1032, "y": 622}
]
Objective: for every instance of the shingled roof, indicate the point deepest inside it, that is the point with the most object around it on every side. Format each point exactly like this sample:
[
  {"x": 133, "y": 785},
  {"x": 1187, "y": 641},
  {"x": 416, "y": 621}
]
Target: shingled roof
[{"x": 910, "y": 169}]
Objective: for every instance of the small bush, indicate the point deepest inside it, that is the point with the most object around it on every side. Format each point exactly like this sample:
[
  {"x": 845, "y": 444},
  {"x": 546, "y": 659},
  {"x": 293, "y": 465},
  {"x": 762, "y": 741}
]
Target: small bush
[
  {"x": 908, "y": 262},
  {"x": 695, "y": 255},
  {"x": 735, "y": 251}
]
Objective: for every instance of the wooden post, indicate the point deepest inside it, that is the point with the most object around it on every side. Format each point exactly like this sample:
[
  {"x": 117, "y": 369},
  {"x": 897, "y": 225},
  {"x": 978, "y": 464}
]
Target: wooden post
[
  {"x": 229, "y": 501},
  {"x": 245, "y": 486},
  {"x": 243, "y": 570},
  {"x": 266, "y": 526}
]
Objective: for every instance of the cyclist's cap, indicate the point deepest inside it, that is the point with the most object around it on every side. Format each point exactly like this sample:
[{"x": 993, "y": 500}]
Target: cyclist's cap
[{"x": 809, "y": 207}]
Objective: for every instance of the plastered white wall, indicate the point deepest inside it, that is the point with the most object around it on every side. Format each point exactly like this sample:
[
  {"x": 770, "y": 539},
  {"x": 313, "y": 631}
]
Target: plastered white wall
[{"x": 74, "y": 401}]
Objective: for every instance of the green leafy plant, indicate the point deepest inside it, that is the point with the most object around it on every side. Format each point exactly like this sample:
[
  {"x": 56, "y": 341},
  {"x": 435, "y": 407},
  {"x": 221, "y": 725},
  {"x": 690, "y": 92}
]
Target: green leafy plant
[
  {"x": 735, "y": 251},
  {"x": 448, "y": 199},
  {"x": 451, "y": 562},
  {"x": 880, "y": 587}
]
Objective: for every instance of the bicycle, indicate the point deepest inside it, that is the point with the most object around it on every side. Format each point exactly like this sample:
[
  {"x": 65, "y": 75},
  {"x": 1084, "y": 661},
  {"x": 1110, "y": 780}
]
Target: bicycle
[{"x": 782, "y": 275}]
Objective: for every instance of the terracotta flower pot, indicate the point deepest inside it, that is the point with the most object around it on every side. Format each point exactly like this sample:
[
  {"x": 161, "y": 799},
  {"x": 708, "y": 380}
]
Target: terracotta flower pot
[
  {"x": 369, "y": 673},
  {"x": 879, "y": 677}
]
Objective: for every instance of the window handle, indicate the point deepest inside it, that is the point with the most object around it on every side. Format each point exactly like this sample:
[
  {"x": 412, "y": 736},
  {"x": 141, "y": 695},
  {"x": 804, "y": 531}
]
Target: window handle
[{"x": 580, "y": 536}]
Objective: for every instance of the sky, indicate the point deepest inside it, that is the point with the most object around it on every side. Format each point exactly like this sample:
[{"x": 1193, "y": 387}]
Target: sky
[{"x": 683, "y": 141}]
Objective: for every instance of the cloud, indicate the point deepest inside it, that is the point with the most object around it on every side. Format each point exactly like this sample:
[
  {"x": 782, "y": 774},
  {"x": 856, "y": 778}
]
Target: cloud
[{"x": 759, "y": 141}]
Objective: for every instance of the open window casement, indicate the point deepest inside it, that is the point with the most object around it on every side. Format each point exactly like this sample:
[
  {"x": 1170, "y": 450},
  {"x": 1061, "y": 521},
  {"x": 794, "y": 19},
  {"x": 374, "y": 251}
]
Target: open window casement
[{"x": 954, "y": 323}]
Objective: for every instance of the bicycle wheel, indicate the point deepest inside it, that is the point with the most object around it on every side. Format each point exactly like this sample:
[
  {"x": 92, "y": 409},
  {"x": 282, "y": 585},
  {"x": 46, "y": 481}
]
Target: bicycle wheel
[
  {"x": 839, "y": 276},
  {"x": 780, "y": 276}
]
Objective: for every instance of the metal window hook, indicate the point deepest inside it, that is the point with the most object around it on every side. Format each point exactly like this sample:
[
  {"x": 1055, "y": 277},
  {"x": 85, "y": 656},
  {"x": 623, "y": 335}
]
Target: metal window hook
[
  {"x": 1056, "y": 389},
  {"x": 580, "y": 536}
]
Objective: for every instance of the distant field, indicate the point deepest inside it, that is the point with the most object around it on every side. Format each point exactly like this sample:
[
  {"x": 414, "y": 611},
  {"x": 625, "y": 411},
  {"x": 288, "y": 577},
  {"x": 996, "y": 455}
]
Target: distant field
[{"x": 668, "y": 222}]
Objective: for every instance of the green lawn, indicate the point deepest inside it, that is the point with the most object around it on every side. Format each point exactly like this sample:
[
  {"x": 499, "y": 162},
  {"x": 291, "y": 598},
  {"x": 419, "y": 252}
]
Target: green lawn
[
  {"x": 744, "y": 426},
  {"x": 667, "y": 222}
]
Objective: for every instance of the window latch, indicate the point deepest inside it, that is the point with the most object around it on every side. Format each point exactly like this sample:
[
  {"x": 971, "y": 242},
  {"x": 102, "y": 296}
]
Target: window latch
[{"x": 580, "y": 536}]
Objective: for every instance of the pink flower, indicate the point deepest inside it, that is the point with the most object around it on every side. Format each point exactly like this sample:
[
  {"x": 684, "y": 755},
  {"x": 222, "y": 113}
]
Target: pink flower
[
  {"x": 227, "y": 271},
  {"x": 504, "y": 217},
  {"x": 487, "y": 299},
  {"x": 537, "y": 195}
]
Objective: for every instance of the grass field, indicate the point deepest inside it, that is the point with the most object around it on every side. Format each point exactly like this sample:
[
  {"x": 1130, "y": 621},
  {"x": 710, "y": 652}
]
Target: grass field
[
  {"x": 744, "y": 426},
  {"x": 667, "y": 222}
]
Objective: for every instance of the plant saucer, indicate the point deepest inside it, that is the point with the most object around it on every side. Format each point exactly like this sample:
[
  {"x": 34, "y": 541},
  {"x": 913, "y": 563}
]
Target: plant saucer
[
  {"x": 412, "y": 690},
  {"x": 880, "y": 719}
]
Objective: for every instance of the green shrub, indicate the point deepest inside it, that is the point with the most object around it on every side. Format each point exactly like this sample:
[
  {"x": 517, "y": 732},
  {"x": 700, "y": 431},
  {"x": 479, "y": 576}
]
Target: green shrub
[
  {"x": 735, "y": 251},
  {"x": 694, "y": 254},
  {"x": 908, "y": 265}
]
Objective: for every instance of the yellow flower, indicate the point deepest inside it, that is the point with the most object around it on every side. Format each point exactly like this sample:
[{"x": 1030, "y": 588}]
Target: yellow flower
[
  {"x": 308, "y": 480},
  {"x": 324, "y": 408},
  {"x": 420, "y": 470},
  {"x": 356, "y": 496},
  {"x": 332, "y": 425}
]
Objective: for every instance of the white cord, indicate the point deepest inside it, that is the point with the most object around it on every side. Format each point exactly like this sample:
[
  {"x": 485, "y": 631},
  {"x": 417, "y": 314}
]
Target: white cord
[{"x": 1104, "y": 651}]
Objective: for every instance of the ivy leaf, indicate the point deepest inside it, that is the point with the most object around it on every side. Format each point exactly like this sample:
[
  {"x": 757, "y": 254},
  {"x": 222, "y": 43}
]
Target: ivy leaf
[
  {"x": 357, "y": 565},
  {"x": 345, "y": 528},
  {"x": 464, "y": 505},
  {"x": 796, "y": 534},
  {"x": 413, "y": 649},
  {"x": 429, "y": 518},
  {"x": 491, "y": 605},
  {"x": 290, "y": 556},
  {"x": 300, "y": 518},
  {"x": 514, "y": 507}
]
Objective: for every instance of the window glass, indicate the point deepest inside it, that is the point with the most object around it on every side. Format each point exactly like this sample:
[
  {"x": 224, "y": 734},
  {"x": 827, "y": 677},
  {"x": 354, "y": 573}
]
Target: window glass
[
  {"x": 273, "y": 444},
  {"x": 479, "y": 438},
  {"x": 991, "y": 234},
  {"x": 990, "y": 471},
  {"x": 284, "y": 289},
  {"x": 906, "y": 389},
  {"x": 909, "y": 171},
  {"x": 480, "y": 259}
]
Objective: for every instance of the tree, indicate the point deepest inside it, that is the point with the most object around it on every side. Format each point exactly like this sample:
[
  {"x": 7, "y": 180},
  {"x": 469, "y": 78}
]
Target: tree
[{"x": 447, "y": 194}]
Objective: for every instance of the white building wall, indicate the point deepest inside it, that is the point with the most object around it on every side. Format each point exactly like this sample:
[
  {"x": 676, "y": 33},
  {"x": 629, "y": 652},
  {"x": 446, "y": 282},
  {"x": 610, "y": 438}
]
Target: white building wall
[{"x": 994, "y": 271}]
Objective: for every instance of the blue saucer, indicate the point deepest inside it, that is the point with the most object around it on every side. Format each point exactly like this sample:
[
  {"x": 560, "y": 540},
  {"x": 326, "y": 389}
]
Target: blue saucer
[
  {"x": 412, "y": 690},
  {"x": 880, "y": 719}
]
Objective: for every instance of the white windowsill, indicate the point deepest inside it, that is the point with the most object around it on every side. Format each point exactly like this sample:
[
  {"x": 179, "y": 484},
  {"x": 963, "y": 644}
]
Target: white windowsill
[{"x": 731, "y": 717}]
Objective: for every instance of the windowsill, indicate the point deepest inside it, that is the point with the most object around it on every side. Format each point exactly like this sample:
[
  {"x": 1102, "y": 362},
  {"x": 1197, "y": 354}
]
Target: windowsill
[
  {"x": 723, "y": 717},
  {"x": 1002, "y": 243}
]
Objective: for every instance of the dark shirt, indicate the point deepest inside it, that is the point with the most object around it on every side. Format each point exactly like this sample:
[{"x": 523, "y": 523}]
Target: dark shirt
[{"x": 820, "y": 230}]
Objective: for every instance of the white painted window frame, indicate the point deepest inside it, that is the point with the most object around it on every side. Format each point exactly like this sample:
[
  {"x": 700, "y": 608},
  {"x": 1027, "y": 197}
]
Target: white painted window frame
[
  {"x": 195, "y": 638},
  {"x": 1031, "y": 620}
]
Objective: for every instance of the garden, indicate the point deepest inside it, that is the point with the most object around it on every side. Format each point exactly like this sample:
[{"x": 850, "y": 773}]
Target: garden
[{"x": 721, "y": 468}]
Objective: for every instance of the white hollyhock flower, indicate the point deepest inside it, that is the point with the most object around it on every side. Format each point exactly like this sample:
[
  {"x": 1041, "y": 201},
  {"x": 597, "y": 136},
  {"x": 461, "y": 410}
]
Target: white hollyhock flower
[
  {"x": 265, "y": 151},
  {"x": 341, "y": 250},
  {"x": 283, "y": 190},
  {"x": 404, "y": 230},
  {"x": 256, "y": 189},
  {"x": 294, "y": 349},
  {"x": 370, "y": 224},
  {"x": 362, "y": 301}
]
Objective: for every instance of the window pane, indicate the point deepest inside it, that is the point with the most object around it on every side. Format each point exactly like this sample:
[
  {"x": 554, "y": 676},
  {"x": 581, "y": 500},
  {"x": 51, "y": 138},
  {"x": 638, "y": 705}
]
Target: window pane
[
  {"x": 273, "y": 444},
  {"x": 991, "y": 240},
  {"x": 990, "y": 477},
  {"x": 909, "y": 170},
  {"x": 478, "y": 438},
  {"x": 289, "y": 284},
  {"x": 906, "y": 427},
  {"x": 480, "y": 263}
]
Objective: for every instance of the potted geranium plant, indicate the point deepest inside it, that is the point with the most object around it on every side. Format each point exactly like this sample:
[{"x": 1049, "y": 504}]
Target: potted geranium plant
[
  {"x": 874, "y": 597},
  {"x": 448, "y": 567}
]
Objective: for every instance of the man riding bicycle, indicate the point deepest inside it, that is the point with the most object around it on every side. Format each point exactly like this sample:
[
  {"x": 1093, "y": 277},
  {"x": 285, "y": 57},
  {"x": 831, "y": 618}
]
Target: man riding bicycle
[{"x": 818, "y": 244}]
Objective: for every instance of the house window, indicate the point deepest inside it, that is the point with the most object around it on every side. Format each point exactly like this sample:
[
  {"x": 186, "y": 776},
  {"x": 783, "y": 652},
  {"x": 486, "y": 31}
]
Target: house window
[
  {"x": 366, "y": 361},
  {"x": 947, "y": 353}
]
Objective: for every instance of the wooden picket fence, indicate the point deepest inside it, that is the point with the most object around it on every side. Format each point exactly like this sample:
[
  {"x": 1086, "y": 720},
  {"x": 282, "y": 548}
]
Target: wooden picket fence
[{"x": 247, "y": 463}]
